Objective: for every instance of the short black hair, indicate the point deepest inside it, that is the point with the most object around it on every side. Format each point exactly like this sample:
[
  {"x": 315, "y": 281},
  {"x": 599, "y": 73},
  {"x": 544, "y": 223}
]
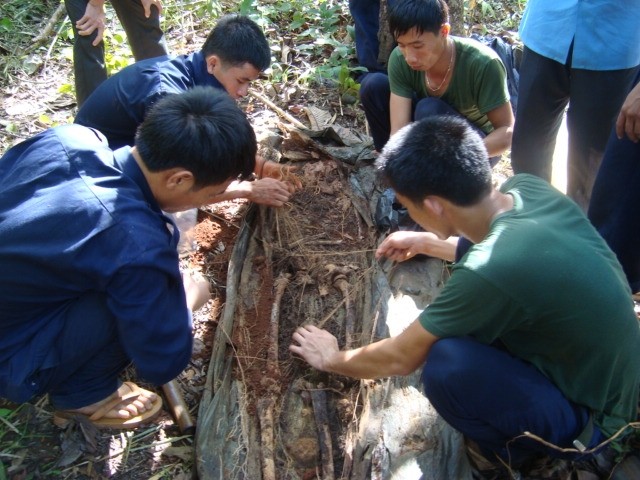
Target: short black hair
[
  {"x": 237, "y": 40},
  {"x": 201, "y": 130},
  {"x": 423, "y": 15},
  {"x": 440, "y": 155}
]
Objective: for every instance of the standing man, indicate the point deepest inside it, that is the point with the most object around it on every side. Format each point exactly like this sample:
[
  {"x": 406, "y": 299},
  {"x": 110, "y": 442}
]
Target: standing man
[
  {"x": 434, "y": 73},
  {"x": 503, "y": 351},
  {"x": 615, "y": 204},
  {"x": 233, "y": 55},
  {"x": 583, "y": 53},
  {"x": 141, "y": 23},
  {"x": 90, "y": 278}
]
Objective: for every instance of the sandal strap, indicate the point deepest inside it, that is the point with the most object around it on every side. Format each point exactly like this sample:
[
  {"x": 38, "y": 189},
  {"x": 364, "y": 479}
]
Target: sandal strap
[{"x": 134, "y": 391}]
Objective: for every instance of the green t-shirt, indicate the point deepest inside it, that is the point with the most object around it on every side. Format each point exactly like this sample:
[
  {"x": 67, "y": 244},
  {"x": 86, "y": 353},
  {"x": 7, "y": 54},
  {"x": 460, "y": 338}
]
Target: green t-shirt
[
  {"x": 546, "y": 284},
  {"x": 478, "y": 81}
]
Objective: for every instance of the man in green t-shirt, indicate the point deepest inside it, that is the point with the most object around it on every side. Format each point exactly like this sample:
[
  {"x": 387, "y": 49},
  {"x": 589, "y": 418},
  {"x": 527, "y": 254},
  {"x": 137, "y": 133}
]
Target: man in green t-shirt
[
  {"x": 431, "y": 72},
  {"x": 535, "y": 331}
]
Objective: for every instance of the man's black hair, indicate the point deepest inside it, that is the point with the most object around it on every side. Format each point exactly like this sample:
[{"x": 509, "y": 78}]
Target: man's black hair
[
  {"x": 237, "y": 40},
  {"x": 441, "y": 156},
  {"x": 201, "y": 130},
  {"x": 423, "y": 15}
]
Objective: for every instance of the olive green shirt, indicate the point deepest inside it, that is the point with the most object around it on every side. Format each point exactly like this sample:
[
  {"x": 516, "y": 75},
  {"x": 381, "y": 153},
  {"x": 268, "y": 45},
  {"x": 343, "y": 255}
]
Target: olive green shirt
[
  {"x": 547, "y": 285},
  {"x": 478, "y": 82}
]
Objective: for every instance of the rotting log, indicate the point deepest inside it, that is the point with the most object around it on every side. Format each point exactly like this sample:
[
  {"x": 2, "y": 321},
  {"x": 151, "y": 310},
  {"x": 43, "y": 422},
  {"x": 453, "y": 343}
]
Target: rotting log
[{"x": 267, "y": 421}]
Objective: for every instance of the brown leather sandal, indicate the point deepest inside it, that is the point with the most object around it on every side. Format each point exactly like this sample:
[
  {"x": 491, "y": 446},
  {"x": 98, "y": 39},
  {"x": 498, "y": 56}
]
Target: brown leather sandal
[{"x": 62, "y": 417}]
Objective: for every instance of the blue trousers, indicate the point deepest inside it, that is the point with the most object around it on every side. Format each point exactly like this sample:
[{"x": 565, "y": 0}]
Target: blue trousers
[
  {"x": 144, "y": 35},
  {"x": 366, "y": 19},
  {"x": 594, "y": 99},
  {"x": 91, "y": 357},
  {"x": 614, "y": 208},
  {"x": 493, "y": 397}
]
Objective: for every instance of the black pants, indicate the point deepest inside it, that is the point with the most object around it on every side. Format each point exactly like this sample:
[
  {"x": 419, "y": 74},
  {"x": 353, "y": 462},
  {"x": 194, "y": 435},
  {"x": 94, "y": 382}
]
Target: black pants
[
  {"x": 144, "y": 34},
  {"x": 615, "y": 203},
  {"x": 594, "y": 99}
]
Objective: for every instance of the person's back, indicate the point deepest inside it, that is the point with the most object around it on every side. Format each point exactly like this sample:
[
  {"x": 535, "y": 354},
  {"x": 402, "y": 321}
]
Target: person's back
[
  {"x": 89, "y": 220},
  {"x": 91, "y": 279},
  {"x": 121, "y": 102}
]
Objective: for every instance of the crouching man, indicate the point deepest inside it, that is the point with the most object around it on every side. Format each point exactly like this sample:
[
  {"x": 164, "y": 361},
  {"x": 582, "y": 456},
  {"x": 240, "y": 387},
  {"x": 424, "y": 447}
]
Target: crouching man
[
  {"x": 90, "y": 280},
  {"x": 535, "y": 329}
]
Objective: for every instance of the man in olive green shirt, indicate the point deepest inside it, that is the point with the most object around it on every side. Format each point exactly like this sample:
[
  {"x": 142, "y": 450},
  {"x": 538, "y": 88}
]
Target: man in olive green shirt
[{"x": 535, "y": 331}]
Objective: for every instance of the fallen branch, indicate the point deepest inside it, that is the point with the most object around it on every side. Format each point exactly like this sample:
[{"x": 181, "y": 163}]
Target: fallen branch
[
  {"x": 278, "y": 110},
  {"x": 46, "y": 32}
]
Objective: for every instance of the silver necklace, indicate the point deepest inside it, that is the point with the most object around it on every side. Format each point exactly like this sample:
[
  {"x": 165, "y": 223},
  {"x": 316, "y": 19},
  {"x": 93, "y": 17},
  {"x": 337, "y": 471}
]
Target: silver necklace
[{"x": 446, "y": 75}]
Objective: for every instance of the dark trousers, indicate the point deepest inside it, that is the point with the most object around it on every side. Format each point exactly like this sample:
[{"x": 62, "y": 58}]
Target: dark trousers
[
  {"x": 594, "y": 99},
  {"x": 91, "y": 358},
  {"x": 144, "y": 35},
  {"x": 492, "y": 397},
  {"x": 615, "y": 203},
  {"x": 366, "y": 19}
]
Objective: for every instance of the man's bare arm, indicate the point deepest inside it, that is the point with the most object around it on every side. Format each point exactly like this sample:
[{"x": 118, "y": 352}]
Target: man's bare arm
[
  {"x": 398, "y": 355},
  {"x": 400, "y": 112},
  {"x": 499, "y": 141}
]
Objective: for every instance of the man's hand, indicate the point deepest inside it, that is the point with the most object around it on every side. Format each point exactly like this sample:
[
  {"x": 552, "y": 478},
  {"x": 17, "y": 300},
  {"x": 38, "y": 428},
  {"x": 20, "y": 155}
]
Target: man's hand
[
  {"x": 403, "y": 245},
  {"x": 269, "y": 169},
  {"x": 146, "y": 4},
  {"x": 266, "y": 191},
  {"x": 629, "y": 118},
  {"x": 315, "y": 346},
  {"x": 92, "y": 19}
]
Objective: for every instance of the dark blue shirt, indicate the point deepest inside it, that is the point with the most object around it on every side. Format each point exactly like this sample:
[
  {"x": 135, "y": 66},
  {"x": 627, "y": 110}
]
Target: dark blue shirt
[
  {"x": 121, "y": 102},
  {"x": 76, "y": 217}
]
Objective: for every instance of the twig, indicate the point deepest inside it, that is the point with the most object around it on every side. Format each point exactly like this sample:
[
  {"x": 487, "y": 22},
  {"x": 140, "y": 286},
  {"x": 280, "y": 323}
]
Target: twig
[
  {"x": 48, "y": 28},
  {"x": 330, "y": 314},
  {"x": 218, "y": 217},
  {"x": 278, "y": 110},
  {"x": 51, "y": 45},
  {"x": 341, "y": 283},
  {"x": 532, "y": 436}
]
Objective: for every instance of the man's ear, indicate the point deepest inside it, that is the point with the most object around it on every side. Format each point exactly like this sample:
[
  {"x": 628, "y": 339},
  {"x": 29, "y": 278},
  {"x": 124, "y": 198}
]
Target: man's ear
[
  {"x": 433, "y": 205},
  {"x": 445, "y": 29},
  {"x": 212, "y": 61},
  {"x": 180, "y": 180}
]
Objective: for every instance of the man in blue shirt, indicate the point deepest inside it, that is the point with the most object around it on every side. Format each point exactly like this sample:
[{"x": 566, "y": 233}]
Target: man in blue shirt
[
  {"x": 523, "y": 371},
  {"x": 90, "y": 278},
  {"x": 575, "y": 53},
  {"x": 233, "y": 55}
]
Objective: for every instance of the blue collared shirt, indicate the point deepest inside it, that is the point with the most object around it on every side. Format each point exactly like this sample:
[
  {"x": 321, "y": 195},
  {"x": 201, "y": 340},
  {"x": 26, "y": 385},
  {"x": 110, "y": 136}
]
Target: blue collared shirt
[
  {"x": 119, "y": 105},
  {"x": 605, "y": 33},
  {"x": 77, "y": 218}
]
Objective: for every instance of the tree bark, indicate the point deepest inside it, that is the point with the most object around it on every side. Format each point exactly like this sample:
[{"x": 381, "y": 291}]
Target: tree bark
[{"x": 456, "y": 17}]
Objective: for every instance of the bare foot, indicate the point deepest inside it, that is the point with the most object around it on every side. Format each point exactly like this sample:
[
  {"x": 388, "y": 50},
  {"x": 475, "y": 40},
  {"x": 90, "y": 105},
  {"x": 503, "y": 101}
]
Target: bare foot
[{"x": 130, "y": 406}]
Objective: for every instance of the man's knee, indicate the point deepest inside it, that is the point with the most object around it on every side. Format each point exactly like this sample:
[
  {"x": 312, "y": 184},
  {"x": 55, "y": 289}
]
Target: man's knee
[
  {"x": 375, "y": 89},
  {"x": 430, "y": 106}
]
